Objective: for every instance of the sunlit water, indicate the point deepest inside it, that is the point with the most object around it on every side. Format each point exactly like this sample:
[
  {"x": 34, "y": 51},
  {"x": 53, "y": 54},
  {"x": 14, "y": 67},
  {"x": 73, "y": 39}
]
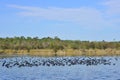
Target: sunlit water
[{"x": 74, "y": 72}]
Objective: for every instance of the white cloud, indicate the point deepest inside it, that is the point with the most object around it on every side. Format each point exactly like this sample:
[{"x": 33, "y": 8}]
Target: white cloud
[
  {"x": 113, "y": 6},
  {"x": 85, "y": 16},
  {"x": 112, "y": 11}
]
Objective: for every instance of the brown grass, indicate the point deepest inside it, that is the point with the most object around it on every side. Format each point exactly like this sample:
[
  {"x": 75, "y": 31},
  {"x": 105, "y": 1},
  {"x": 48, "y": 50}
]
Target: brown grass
[{"x": 66, "y": 52}]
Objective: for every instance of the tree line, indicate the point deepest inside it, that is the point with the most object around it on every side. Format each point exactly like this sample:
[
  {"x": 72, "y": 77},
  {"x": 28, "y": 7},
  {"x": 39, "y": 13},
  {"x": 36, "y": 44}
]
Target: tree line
[{"x": 28, "y": 43}]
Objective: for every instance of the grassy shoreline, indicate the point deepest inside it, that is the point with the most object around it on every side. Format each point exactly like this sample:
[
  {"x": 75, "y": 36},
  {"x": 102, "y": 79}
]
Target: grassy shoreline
[{"x": 65, "y": 52}]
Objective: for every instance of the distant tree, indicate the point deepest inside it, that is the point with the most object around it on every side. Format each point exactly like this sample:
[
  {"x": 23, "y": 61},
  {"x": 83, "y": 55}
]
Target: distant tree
[
  {"x": 75, "y": 46},
  {"x": 56, "y": 38},
  {"x": 55, "y": 43}
]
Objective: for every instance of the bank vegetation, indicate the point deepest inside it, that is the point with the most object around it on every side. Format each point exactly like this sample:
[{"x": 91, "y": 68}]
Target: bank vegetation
[{"x": 48, "y": 46}]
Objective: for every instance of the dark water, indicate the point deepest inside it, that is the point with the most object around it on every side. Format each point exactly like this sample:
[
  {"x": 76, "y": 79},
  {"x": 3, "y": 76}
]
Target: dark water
[{"x": 107, "y": 69}]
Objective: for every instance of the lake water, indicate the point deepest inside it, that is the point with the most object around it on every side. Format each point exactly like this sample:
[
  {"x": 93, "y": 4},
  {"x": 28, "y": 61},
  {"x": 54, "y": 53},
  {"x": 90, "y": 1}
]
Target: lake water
[{"x": 66, "y": 72}]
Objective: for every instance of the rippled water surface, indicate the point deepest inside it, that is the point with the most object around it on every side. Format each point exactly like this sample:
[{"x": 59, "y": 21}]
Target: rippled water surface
[{"x": 73, "y": 72}]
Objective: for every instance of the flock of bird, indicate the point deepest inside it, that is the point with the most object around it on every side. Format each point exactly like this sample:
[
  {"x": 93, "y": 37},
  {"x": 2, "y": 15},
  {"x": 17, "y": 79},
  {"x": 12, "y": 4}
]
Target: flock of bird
[{"x": 53, "y": 61}]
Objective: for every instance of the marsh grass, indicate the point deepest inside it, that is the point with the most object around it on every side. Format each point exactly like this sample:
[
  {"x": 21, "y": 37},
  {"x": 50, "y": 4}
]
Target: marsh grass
[{"x": 65, "y": 52}]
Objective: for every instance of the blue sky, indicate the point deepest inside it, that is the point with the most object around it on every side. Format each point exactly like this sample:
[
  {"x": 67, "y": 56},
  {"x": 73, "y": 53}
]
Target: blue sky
[{"x": 67, "y": 19}]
